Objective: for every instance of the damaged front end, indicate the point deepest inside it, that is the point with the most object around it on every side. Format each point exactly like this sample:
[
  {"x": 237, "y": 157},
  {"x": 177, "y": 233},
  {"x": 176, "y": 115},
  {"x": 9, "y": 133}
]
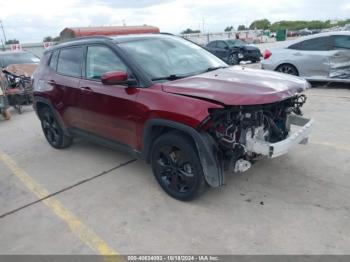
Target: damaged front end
[{"x": 243, "y": 134}]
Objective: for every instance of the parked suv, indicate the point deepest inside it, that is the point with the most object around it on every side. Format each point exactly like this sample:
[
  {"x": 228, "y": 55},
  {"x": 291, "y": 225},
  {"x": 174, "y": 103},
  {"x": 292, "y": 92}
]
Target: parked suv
[{"x": 169, "y": 102}]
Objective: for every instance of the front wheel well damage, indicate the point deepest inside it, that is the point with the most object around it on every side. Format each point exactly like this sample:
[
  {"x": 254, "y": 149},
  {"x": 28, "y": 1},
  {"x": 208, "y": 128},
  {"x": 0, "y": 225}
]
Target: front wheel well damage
[{"x": 203, "y": 143}]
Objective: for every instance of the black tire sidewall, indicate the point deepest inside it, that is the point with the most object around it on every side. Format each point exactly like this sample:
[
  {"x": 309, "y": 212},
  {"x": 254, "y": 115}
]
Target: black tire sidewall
[
  {"x": 60, "y": 143},
  {"x": 295, "y": 70},
  {"x": 233, "y": 61},
  {"x": 186, "y": 146}
]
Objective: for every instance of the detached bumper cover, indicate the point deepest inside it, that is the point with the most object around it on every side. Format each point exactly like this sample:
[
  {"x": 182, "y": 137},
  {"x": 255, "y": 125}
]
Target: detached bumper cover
[{"x": 272, "y": 150}]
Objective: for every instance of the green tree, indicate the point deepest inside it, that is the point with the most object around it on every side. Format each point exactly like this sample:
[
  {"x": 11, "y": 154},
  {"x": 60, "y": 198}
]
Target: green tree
[
  {"x": 300, "y": 24},
  {"x": 51, "y": 39},
  {"x": 241, "y": 27},
  {"x": 47, "y": 39},
  {"x": 12, "y": 41},
  {"x": 190, "y": 31},
  {"x": 56, "y": 39},
  {"x": 229, "y": 28},
  {"x": 260, "y": 24}
]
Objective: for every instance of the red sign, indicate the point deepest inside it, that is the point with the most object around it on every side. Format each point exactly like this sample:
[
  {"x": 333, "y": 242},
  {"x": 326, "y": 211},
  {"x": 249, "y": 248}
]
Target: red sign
[
  {"x": 47, "y": 44},
  {"x": 16, "y": 47}
]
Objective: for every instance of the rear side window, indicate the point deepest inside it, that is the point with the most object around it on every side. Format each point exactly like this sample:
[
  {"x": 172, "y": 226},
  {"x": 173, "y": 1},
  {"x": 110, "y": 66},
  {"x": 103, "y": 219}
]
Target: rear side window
[
  {"x": 341, "y": 42},
  {"x": 296, "y": 46},
  {"x": 315, "y": 44},
  {"x": 53, "y": 60},
  {"x": 69, "y": 61},
  {"x": 101, "y": 59}
]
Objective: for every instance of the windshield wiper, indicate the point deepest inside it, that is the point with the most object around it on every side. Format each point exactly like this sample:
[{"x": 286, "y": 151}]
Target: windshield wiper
[
  {"x": 170, "y": 77},
  {"x": 213, "y": 68}
]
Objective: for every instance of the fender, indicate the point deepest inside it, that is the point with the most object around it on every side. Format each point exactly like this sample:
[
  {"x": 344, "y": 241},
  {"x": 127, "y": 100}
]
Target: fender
[{"x": 206, "y": 146}]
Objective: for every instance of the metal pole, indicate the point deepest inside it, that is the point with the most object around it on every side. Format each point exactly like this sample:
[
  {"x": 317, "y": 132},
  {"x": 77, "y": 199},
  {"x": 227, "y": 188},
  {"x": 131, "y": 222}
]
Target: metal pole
[
  {"x": 3, "y": 46},
  {"x": 3, "y": 31}
]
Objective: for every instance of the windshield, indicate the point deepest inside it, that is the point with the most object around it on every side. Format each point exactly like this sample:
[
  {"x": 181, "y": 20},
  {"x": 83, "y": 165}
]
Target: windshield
[
  {"x": 236, "y": 43},
  {"x": 18, "y": 58},
  {"x": 171, "y": 56}
]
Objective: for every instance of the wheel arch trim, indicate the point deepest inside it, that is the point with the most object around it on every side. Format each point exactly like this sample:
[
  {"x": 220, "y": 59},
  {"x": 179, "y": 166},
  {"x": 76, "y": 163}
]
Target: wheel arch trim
[
  {"x": 41, "y": 100},
  {"x": 205, "y": 144}
]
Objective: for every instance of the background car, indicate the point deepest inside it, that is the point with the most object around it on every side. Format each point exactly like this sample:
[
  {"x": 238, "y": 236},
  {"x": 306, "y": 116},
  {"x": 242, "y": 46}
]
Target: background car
[
  {"x": 234, "y": 51},
  {"x": 19, "y": 62},
  {"x": 321, "y": 57},
  {"x": 16, "y": 69}
]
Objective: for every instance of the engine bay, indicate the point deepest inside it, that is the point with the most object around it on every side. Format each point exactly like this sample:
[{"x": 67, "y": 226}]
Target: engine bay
[{"x": 232, "y": 126}]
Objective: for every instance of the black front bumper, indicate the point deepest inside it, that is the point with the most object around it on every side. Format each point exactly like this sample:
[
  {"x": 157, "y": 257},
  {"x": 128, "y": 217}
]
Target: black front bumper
[{"x": 251, "y": 55}]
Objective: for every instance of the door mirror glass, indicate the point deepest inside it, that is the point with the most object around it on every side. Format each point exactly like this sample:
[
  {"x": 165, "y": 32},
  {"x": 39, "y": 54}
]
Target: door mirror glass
[{"x": 114, "y": 78}]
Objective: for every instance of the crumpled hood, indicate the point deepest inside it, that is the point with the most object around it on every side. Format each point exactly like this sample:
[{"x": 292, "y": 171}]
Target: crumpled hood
[
  {"x": 239, "y": 86},
  {"x": 22, "y": 69}
]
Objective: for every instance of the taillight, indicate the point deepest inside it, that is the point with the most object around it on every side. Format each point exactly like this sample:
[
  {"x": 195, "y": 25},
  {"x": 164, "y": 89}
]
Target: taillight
[{"x": 267, "y": 54}]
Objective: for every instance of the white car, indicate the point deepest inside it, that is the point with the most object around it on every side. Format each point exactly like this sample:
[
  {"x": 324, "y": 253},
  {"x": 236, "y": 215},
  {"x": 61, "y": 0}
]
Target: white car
[{"x": 321, "y": 57}]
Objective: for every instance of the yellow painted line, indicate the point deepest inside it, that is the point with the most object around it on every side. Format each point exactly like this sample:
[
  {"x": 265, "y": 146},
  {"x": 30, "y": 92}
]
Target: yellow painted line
[
  {"x": 89, "y": 237},
  {"x": 340, "y": 147}
]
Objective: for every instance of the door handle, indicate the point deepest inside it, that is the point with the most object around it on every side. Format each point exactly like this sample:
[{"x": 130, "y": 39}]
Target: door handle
[
  {"x": 297, "y": 54},
  {"x": 86, "y": 89}
]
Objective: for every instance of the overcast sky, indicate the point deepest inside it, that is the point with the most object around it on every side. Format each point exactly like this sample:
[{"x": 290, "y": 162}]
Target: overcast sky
[{"x": 31, "y": 20}]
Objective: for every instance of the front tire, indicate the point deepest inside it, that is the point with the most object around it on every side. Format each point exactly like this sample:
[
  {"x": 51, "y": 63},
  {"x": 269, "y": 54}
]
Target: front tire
[
  {"x": 233, "y": 59},
  {"x": 176, "y": 166},
  {"x": 52, "y": 130}
]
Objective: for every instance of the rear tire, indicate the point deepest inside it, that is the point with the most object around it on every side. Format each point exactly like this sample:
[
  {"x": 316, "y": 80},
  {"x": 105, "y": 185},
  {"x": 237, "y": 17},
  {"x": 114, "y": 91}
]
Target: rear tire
[
  {"x": 287, "y": 69},
  {"x": 176, "y": 166},
  {"x": 53, "y": 132}
]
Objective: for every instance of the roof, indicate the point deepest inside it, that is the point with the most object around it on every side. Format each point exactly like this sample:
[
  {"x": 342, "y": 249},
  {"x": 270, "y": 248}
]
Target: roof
[
  {"x": 74, "y": 32},
  {"x": 303, "y": 38},
  {"x": 101, "y": 39}
]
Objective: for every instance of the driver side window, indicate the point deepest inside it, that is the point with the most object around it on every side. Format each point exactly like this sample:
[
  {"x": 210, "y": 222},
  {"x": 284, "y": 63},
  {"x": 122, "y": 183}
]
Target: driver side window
[{"x": 101, "y": 59}]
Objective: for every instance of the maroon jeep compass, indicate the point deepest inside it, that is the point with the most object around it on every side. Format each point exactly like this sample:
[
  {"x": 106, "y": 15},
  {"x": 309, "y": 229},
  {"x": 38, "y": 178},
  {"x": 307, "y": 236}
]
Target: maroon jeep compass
[{"x": 171, "y": 103}]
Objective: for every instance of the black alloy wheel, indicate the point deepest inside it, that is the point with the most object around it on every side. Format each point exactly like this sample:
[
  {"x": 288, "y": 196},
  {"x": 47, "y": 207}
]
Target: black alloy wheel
[
  {"x": 52, "y": 130},
  {"x": 233, "y": 59},
  {"x": 176, "y": 166}
]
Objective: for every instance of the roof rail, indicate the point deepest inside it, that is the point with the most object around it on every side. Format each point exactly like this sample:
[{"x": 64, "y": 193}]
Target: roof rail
[
  {"x": 85, "y": 37},
  {"x": 166, "y": 33}
]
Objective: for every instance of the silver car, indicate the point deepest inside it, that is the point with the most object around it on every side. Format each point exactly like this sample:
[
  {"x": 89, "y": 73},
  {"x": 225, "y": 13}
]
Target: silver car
[{"x": 321, "y": 57}]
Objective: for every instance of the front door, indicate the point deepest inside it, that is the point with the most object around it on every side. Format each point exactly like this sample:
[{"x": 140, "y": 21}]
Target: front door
[
  {"x": 222, "y": 50},
  {"x": 107, "y": 110}
]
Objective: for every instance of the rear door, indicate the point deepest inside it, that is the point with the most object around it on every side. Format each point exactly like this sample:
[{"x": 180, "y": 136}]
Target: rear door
[
  {"x": 312, "y": 57},
  {"x": 64, "y": 76},
  {"x": 340, "y": 58},
  {"x": 108, "y": 111}
]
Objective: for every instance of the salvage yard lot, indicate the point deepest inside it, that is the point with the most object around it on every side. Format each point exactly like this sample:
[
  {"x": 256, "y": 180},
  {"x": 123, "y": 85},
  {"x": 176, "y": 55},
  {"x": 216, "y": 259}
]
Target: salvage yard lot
[{"x": 295, "y": 204}]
